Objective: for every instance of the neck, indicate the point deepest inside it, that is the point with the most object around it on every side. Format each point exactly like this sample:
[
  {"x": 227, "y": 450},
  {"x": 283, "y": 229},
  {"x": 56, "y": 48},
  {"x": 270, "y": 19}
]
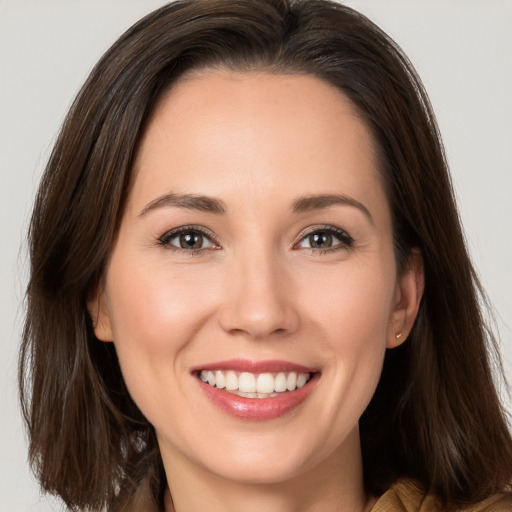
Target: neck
[{"x": 335, "y": 484}]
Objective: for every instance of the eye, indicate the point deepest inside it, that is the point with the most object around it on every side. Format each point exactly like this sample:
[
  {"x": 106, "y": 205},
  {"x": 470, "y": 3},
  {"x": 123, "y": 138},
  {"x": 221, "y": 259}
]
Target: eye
[
  {"x": 325, "y": 239},
  {"x": 188, "y": 239}
]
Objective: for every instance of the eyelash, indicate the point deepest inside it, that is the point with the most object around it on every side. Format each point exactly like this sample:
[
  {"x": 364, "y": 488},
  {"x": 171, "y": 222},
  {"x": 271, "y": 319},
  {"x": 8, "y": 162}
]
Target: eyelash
[
  {"x": 165, "y": 239},
  {"x": 345, "y": 240}
]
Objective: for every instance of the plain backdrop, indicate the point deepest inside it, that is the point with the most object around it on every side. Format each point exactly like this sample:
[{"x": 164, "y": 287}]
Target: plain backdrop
[{"x": 461, "y": 48}]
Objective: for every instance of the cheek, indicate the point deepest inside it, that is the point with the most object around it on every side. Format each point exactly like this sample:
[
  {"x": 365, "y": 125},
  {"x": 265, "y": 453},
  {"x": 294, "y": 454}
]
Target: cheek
[
  {"x": 356, "y": 305},
  {"x": 154, "y": 315},
  {"x": 153, "y": 307},
  {"x": 354, "y": 317}
]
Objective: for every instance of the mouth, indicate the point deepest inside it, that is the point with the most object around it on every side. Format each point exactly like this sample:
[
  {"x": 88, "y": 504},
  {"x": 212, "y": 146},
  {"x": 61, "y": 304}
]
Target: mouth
[
  {"x": 255, "y": 385},
  {"x": 256, "y": 390}
]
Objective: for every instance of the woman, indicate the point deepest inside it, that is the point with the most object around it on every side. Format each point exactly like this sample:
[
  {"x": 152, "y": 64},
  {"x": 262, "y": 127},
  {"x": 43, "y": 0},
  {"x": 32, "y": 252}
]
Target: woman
[{"x": 257, "y": 294}]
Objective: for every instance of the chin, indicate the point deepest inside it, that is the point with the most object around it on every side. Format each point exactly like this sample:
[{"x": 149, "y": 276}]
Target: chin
[
  {"x": 259, "y": 472},
  {"x": 262, "y": 460}
]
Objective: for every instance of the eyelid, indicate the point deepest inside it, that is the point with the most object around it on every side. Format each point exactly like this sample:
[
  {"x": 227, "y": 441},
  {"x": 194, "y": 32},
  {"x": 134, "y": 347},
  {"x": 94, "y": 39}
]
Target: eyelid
[
  {"x": 344, "y": 238},
  {"x": 346, "y": 241},
  {"x": 164, "y": 239}
]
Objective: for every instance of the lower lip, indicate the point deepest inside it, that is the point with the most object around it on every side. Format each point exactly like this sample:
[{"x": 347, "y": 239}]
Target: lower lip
[{"x": 258, "y": 408}]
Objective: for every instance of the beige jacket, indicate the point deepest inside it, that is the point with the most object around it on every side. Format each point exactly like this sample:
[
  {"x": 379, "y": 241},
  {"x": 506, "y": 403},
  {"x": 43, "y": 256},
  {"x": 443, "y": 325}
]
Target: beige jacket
[{"x": 404, "y": 496}]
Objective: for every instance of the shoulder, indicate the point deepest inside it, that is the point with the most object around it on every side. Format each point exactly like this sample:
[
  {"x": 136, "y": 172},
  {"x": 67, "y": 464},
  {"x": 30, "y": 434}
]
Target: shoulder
[{"x": 407, "y": 496}]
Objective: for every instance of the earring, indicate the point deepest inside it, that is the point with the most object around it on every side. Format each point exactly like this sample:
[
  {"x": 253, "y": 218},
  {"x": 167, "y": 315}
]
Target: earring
[{"x": 398, "y": 336}]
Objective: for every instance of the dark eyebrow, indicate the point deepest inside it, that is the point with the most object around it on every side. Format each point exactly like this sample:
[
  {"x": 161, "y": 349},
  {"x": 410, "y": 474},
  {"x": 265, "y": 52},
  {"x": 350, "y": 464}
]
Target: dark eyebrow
[
  {"x": 306, "y": 204},
  {"x": 189, "y": 201}
]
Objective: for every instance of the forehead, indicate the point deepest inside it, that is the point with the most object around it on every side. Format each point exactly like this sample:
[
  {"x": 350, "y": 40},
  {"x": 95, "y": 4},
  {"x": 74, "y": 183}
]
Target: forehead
[{"x": 255, "y": 131}]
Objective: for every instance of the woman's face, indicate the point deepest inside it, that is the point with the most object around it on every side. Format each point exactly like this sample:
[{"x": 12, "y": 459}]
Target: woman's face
[{"x": 256, "y": 253}]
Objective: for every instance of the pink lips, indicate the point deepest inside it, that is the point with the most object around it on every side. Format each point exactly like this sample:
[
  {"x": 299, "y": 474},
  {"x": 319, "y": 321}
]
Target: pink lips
[
  {"x": 245, "y": 365},
  {"x": 257, "y": 408}
]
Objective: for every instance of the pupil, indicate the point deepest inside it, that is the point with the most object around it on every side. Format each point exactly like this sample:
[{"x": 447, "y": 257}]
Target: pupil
[
  {"x": 191, "y": 241},
  {"x": 320, "y": 240}
]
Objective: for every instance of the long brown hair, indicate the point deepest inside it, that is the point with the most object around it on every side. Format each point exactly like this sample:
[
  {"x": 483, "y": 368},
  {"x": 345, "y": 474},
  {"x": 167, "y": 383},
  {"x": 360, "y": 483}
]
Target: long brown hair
[{"x": 435, "y": 416}]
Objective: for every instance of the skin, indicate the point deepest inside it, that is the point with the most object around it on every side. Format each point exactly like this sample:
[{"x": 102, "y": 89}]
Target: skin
[{"x": 256, "y": 289}]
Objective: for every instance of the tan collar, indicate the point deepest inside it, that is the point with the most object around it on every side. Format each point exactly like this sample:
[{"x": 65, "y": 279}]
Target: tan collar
[{"x": 404, "y": 496}]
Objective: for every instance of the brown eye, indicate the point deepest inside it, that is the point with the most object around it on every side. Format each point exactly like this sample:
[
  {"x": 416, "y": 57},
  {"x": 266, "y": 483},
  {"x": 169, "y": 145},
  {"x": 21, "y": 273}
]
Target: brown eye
[
  {"x": 320, "y": 240},
  {"x": 187, "y": 239},
  {"x": 191, "y": 241},
  {"x": 325, "y": 239}
]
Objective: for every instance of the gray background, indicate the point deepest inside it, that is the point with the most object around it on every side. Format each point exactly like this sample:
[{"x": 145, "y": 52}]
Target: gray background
[{"x": 461, "y": 48}]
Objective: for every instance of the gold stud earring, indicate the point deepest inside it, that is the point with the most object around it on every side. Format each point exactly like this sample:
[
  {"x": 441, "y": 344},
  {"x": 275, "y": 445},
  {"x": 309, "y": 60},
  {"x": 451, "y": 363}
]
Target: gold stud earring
[{"x": 398, "y": 336}]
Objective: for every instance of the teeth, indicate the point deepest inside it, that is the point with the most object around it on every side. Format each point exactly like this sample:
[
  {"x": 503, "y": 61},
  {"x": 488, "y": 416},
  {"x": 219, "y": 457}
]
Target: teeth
[
  {"x": 265, "y": 383},
  {"x": 280, "y": 382},
  {"x": 251, "y": 385},
  {"x": 220, "y": 381},
  {"x": 231, "y": 381},
  {"x": 291, "y": 381},
  {"x": 302, "y": 378},
  {"x": 247, "y": 383}
]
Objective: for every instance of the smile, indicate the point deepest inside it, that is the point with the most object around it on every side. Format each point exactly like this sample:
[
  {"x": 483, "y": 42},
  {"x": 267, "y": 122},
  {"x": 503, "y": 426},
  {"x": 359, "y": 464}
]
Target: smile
[
  {"x": 255, "y": 385},
  {"x": 256, "y": 390}
]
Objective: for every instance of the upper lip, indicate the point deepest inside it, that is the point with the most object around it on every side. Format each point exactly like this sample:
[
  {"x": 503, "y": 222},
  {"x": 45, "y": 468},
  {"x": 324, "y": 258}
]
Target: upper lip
[{"x": 247, "y": 365}]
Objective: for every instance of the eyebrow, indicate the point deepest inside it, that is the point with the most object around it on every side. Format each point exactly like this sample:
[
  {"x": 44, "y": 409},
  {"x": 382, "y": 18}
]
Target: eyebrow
[
  {"x": 189, "y": 201},
  {"x": 319, "y": 202},
  {"x": 218, "y": 207}
]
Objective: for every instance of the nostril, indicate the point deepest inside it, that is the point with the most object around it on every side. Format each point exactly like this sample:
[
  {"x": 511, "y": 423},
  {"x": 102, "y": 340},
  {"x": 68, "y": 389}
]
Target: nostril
[{"x": 258, "y": 324}]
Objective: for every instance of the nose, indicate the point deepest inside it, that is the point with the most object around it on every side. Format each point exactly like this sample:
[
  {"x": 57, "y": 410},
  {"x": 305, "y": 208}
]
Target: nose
[{"x": 259, "y": 297}]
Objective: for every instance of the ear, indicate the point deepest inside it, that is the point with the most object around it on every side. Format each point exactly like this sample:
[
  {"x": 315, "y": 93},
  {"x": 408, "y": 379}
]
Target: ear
[
  {"x": 99, "y": 311},
  {"x": 408, "y": 294}
]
